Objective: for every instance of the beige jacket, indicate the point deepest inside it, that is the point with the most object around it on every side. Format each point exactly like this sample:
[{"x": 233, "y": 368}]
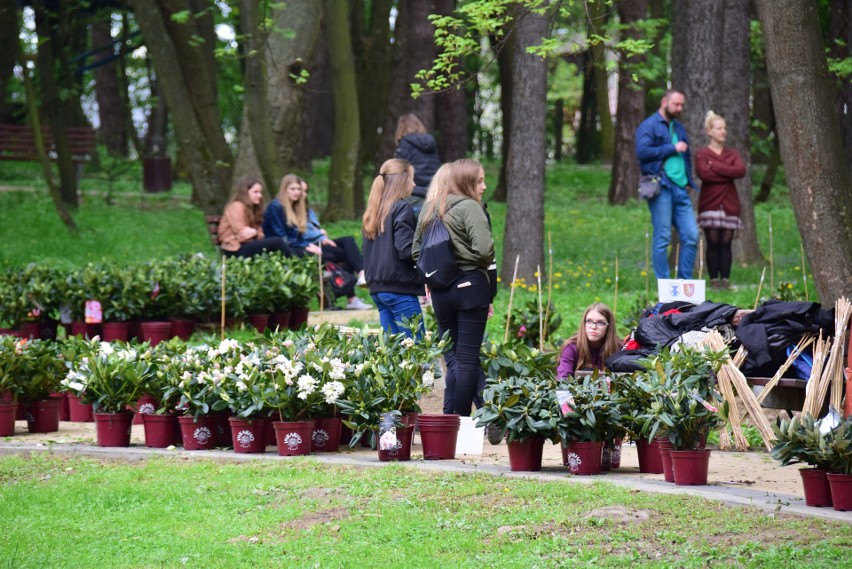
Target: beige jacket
[{"x": 235, "y": 227}]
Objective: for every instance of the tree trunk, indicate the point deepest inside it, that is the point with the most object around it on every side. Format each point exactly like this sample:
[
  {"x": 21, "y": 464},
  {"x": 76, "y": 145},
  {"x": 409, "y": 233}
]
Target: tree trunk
[
  {"x": 598, "y": 16},
  {"x": 124, "y": 88},
  {"x": 588, "y": 142},
  {"x": 344, "y": 152},
  {"x": 256, "y": 110},
  {"x": 810, "y": 140},
  {"x": 631, "y": 108},
  {"x": 372, "y": 48},
  {"x": 451, "y": 108},
  {"x": 840, "y": 36},
  {"x": 525, "y": 167},
  {"x": 505, "y": 61},
  {"x": 8, "y": 54},
  {"x": 113, "y": 130},
  {"x": 734, "y": 105},
  {"x": 186, "y": 71},
  {"x": 318, "y": 109},
  {"x": 414, "y": 49},
  {"x": 558, "y": 126},
  {"x": 155, "y": 143},
  {"x": 654, "y": 88},
  {"x": 56, "y": 109}
]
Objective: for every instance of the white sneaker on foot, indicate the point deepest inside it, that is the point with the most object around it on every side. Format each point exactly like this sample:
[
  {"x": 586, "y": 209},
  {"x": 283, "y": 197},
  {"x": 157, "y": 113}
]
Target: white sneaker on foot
[
  {"x": 361, "y": 280},
  {"x": 358, "y": 304}
]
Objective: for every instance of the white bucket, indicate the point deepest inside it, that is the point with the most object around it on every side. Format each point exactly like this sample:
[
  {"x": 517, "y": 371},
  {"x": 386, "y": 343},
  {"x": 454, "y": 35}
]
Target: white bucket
[{"x": 470, "y": 437}]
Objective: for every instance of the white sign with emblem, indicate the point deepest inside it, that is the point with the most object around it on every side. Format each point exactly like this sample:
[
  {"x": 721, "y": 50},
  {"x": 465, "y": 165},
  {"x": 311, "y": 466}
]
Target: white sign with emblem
[{"x": 684, "y": 290}]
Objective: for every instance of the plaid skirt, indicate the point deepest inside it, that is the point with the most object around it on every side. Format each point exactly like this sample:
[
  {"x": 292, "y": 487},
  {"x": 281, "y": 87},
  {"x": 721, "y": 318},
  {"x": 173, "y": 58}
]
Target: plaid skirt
[{"x": 718, "y": 219}]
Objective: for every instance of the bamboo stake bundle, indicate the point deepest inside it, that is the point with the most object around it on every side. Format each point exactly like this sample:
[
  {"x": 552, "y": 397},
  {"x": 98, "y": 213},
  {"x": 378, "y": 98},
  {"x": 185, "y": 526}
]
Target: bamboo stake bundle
[
  {"x": 322, "y": 287},
  {"x": 511, "y": 298},
  {"x": 738, "y": 381},
  {"x": 842, "y": 314},
  {"x": 815, "y": 392},
  {"x": 804, "y": 342},
  {"x": 734, "y": 419}
]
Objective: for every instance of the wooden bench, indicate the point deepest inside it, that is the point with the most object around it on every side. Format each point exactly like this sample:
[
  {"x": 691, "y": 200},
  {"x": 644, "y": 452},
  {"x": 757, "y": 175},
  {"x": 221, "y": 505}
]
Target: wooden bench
[
  {"x": 17, "y": 142},
  {"x": 213, "y": 229}
]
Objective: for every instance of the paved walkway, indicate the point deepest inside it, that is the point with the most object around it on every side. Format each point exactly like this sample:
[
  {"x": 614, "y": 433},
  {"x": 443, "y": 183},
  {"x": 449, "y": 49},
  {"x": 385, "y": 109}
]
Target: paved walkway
[{"x": 492, "y": 463}]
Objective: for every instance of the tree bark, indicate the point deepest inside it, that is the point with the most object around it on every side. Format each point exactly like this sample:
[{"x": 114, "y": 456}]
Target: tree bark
[
  {"x": 598, "y": 16},
  {"x": 655, "y": 87},
  {"x": 8, "y": 54},
  {"x": 451, "y": 109},
  {"x": 52, "y": 71},
  {"x": 186, "y": 71},
  {"x": 111, "y": 111},
  {"x": 588, "y": 141},
  {"x": 631, "y": 107},
  {"x": 810, "y": 140},
  {"x": 256, "y": 110},
  {"x": 344, "y": 152},
  {"x": 525, "y": 167},
  {"x": 734, "y": 106},
  {"x": 505, "y": 62},
  {"x": 840, "y": 36}
]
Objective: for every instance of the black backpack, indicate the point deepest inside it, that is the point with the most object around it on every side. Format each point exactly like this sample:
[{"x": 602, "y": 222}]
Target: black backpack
[{"x": 437, "y": 262}]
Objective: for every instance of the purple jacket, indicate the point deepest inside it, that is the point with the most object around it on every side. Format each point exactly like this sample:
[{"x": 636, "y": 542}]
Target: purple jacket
[{"x": 568, "y": 360}]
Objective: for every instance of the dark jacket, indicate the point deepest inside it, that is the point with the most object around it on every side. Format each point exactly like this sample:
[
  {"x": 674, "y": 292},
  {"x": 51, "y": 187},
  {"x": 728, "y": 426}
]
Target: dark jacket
[
  {"x": 665, "y": 330},
  {"x": 387, "y": 258},
  {"x": 275, "y": 225},
  {"x": 421, "y": 151},
  {"x": 654, "y": 145}
]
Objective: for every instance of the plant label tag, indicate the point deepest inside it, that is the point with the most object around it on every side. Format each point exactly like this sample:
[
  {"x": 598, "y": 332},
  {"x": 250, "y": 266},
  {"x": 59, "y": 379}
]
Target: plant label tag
[
  {"x": 565, "y": 400},
  {"x": 387, "y": 430},
  {"x": 93, "y": 313},
  {"x": 684, "y": 290}
]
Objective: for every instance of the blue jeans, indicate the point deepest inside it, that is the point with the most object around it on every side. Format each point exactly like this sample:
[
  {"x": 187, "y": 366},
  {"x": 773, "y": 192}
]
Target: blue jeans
[
  {"x": 672, "y": 206},
  {"x": 394, "y": 309}
]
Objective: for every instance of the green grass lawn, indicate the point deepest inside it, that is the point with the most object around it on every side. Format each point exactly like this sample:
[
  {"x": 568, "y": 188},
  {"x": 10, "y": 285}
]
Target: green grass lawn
[
  {"x": 120, "y": 223},
  {"x": 300, "y": 513}
]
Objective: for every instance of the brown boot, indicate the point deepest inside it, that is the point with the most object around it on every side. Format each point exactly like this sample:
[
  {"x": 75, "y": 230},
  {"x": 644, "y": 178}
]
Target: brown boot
[
  {"x": 714, "y": 284},
  {"x": 725, "y": 284}
]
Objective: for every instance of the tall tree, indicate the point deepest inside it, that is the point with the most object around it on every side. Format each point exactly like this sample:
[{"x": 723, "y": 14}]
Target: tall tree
[
  {"x": 655, "y": 85},
  {"x": 111, "y": 106},
  {"x": 505, "y": 49},
  {"x": 631, "y": 106},
  {"x": 734, "y": 105},
  {"x": 414, "y": 49},
  {"x": 344, "y": 152},
  {"x": 256, "y": 109},
  {"x": 8, "y": 50},
  {"x": 525, "y": 166},
  {"x": 451, "y": 108},
  {"x": 839, "y": 49},
  {"x": 179, "y": 35},
  {"x": 53, "y": 29},
  {"x": 598, "y": 16},
  {"x": 810, "y": 140}
]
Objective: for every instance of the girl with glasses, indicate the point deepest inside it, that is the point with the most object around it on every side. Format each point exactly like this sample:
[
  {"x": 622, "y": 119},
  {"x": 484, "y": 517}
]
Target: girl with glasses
[{"x": 592, "y": 344}]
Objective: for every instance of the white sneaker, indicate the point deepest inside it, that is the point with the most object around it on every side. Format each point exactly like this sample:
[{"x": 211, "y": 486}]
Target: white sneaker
[
  {"x": 361, "y": 280},
  {"x": 358, "y": 304}
]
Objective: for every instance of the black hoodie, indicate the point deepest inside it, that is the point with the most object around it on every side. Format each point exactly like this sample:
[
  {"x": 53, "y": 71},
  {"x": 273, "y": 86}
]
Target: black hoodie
[{"x": 421, "y": 151}]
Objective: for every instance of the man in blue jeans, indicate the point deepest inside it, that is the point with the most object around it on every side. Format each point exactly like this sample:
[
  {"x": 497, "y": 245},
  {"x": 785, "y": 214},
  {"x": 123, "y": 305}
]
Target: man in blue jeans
[{"x": 663, "y": 151}]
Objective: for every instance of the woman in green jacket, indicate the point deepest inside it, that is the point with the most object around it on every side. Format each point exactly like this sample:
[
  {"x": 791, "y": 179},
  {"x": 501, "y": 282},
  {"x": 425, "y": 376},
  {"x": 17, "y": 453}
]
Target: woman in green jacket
[{"x": 455, "y": 196}]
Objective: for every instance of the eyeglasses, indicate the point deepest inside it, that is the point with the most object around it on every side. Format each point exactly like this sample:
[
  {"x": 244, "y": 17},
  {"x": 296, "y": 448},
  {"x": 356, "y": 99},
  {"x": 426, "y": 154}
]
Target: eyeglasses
[{"x": 596, "y": 324}]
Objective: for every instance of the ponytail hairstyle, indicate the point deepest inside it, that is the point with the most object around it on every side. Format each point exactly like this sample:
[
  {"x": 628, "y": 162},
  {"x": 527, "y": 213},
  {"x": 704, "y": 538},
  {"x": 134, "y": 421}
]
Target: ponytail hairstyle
[
  {"x": 295, "y": 213},
  {"x": 241, "y": 194},
  {"x": 436, "y": 197},
  {"x": 710, "y": 118},
  {"x": 391, "y": 185}
]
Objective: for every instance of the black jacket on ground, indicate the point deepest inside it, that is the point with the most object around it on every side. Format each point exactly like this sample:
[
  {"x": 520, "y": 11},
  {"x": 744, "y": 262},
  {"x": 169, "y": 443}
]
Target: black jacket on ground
[
  {"x": 388, "y": 266},
  {"x": 665, "y": 330},
  {"x": 421, "y": 151},
  {"x": 768, "y": 331}
]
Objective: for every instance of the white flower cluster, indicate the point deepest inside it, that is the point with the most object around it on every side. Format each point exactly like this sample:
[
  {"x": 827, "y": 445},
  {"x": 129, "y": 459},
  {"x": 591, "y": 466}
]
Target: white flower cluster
[
  {"x": 307, "y": 384},
  {"x": 332, "y": 391}
]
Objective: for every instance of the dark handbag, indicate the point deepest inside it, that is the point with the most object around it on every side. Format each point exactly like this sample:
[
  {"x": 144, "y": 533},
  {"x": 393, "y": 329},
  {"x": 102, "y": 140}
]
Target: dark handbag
[
  {"x": 342, "y": 282},
  {"x": 649, "y": 186}
]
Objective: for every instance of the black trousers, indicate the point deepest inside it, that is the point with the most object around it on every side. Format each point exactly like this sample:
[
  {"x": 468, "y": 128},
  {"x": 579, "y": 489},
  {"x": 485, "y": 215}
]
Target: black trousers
[
  {"x": 252, "y": 248},
  {"x": 463, "y": 310}
]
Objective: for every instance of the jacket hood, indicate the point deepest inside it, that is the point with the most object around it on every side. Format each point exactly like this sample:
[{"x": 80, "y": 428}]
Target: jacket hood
[{"x": 423, "y": 142}]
